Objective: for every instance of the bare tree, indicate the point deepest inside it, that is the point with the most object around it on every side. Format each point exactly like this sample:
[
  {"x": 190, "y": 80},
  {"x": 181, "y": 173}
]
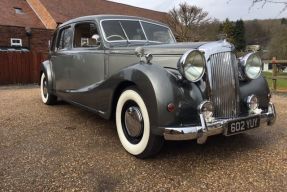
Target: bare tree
[
  {"x": 185, "y": 20},
  {"x": 264, "y": 2}
]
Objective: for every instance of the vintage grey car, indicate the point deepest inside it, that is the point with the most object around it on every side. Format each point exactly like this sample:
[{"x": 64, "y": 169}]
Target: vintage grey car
[{"x": 133, "y": 70}]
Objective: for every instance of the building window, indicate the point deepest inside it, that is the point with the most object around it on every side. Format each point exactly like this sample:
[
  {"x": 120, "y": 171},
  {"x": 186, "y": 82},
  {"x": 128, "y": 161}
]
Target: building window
[
  {"x": 18, "y": 10},
  {"x": 16, "y": 42}
]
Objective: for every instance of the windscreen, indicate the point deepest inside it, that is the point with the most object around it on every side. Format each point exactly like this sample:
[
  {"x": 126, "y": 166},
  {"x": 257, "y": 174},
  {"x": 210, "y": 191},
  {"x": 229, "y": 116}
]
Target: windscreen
[
  {"x": 133, "y": 30},
  {"x": 157, "y": 33},
  {"x": 113, "y": 30}
]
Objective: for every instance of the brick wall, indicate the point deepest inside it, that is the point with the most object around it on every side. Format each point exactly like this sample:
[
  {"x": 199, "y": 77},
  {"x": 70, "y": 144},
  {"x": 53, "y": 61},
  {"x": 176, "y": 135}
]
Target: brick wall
[{"x": 38, "y": 42}]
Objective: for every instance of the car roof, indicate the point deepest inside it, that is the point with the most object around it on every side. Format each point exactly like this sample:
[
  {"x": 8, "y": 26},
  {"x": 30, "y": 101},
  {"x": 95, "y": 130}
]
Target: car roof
[{"x": 98, "y": 18}]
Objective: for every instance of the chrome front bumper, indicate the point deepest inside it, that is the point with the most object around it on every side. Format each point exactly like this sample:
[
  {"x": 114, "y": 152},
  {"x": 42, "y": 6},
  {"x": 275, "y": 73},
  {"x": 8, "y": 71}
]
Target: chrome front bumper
[{"x": 219, "y": 126}]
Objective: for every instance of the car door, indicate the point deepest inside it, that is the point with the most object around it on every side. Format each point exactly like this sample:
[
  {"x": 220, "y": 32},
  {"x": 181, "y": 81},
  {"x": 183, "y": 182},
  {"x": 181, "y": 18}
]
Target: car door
[
  {"x": 88, "y": 66},
  {"x": 61, "y": 60}
]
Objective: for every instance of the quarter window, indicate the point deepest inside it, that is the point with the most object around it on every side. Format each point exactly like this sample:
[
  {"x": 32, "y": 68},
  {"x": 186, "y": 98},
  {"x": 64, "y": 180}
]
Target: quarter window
[
  {"x": 65, "y": 37},
  {"x": 84, "y": 35}
]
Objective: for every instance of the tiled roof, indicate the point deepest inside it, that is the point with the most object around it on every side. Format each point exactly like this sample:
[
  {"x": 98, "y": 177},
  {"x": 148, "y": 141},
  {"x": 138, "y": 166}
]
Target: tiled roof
[
  {"x": 26, "y": 19},
  {"x": 64, "y": 10}
]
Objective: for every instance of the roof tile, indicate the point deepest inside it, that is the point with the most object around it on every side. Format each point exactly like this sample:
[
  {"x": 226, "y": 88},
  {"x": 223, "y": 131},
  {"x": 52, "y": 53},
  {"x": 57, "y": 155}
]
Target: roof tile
[
  {"x": 65, "y": 10},
  {"x": 9, "y": 17}
]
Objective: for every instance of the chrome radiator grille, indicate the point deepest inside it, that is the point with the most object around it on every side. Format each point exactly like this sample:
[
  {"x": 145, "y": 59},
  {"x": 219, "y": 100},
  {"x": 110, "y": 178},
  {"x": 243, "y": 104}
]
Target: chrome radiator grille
[{"x": 223, "y": 78}]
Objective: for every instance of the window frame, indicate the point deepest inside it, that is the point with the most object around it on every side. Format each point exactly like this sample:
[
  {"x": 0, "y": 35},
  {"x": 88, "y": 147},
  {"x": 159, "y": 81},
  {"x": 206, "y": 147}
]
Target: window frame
[
  {"x": 18, "y": 10},
  {"x": 20, "y": 44}
]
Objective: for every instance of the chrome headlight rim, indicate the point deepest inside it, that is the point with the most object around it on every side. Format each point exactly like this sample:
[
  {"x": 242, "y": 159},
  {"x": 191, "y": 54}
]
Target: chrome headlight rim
[
  {"x": 244, "y": 64},
  {"x": 183, "y": 62}
]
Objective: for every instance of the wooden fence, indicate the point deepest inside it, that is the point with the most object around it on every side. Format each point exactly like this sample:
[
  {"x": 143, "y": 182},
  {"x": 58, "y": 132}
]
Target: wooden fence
[
  {"x": 20, "y": 67},
  {"x": 275, "y": 71}
]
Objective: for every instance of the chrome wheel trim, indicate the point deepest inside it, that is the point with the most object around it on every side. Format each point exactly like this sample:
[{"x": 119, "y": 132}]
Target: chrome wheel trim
[{"x": 134, "y": 121}]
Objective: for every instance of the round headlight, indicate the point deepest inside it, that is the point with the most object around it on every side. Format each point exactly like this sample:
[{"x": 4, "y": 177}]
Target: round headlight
[
  {"x": 252, "y": 65},
  {"x": 192, "y": 65}
]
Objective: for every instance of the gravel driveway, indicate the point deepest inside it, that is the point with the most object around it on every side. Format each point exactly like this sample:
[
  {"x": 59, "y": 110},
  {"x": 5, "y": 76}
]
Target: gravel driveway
[{"x": 63, "y": 148}]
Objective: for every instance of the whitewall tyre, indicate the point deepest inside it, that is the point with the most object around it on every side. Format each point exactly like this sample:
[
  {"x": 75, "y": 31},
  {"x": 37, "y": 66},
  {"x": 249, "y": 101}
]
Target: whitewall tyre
[
  {"x": 47, "y": 98},
  {"x": 133, "y": 125}
]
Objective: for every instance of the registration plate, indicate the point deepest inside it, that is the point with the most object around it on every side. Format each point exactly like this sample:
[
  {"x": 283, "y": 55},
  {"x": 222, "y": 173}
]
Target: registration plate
[{"x": 242, "y": 125}]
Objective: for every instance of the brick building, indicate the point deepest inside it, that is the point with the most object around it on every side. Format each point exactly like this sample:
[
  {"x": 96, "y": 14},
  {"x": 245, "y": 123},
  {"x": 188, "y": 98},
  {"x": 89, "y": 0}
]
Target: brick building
[{"x": 29, "y": 24}]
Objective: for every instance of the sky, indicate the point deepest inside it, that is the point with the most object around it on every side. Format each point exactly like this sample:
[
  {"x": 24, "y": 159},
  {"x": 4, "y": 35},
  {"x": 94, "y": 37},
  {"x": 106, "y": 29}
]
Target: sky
[{"x": 219, "y": 9}]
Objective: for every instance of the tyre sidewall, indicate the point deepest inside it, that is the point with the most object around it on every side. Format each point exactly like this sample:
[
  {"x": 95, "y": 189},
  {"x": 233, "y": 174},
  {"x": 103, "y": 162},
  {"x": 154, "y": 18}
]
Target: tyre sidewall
[
  {"x": 139, "y": 148},
  {"x": 49, "y": 99}
]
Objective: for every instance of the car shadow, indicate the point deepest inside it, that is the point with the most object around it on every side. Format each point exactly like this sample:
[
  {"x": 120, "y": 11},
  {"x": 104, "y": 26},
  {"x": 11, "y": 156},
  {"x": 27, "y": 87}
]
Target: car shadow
[
  {"x": 215, "y": 147},
  {"x": 219, "y": 146}
]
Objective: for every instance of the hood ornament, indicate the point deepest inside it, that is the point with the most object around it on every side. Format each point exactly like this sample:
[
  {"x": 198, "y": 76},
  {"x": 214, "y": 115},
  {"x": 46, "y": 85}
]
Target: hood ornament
[
  {"x": 225, "y": 43},
  {"x": 140, "y": 52}
]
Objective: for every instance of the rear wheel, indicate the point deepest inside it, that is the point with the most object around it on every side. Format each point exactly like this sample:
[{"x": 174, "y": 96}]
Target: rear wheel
[
  {"x": 47, "y": 98},
  {"x": 133, "y": 125}
]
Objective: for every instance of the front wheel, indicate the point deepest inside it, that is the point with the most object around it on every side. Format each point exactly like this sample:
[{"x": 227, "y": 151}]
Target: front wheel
[
  {"x": 133, "y": 125},
  {"x": 47, "y": 98}
]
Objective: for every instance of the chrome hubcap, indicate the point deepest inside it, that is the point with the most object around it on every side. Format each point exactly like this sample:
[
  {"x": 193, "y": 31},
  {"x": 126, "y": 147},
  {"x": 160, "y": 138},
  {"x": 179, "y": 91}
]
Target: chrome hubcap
[{"x": 134, "y": 121}]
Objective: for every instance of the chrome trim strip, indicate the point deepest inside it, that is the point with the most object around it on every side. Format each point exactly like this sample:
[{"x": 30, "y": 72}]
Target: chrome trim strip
[{"x": 84, "y": 89}]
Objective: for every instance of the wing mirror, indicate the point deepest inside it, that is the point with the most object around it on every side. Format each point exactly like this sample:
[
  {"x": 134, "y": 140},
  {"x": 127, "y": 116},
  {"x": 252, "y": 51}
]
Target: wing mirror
[{"x": 97, "y": 38}]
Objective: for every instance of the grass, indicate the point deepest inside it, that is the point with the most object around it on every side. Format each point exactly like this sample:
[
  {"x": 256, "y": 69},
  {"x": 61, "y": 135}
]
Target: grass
[{"x": 281, "y": 83}]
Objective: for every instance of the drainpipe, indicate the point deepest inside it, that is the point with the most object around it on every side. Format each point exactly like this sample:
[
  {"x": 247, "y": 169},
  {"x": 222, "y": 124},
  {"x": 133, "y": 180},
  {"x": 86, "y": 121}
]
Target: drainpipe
[{"x": 29, "y": 35}]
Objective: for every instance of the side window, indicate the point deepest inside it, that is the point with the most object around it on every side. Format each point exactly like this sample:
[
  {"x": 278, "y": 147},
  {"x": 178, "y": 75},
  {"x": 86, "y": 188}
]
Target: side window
[
  {"x": 53, "y": 42},
  {"x": 86, "y": 35},
  {"x": 64, "y": 38}
]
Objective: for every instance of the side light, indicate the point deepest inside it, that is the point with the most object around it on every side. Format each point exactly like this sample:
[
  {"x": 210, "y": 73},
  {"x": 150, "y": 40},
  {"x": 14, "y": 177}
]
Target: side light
[
  {"x": 252, "y": 102},
  {"x": 206, "y": 108}
]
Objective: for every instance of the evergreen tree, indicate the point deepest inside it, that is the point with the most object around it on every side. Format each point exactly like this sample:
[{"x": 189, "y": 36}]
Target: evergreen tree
[
  {"x": 239, "y": 36},
  {"x": 227, "y": 28},
  {"x": 235, "y": 33}
]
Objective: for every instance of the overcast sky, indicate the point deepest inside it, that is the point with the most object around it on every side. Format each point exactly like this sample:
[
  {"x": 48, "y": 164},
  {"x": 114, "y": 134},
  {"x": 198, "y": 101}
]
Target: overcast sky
[{"x": 220, "y": 9}]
